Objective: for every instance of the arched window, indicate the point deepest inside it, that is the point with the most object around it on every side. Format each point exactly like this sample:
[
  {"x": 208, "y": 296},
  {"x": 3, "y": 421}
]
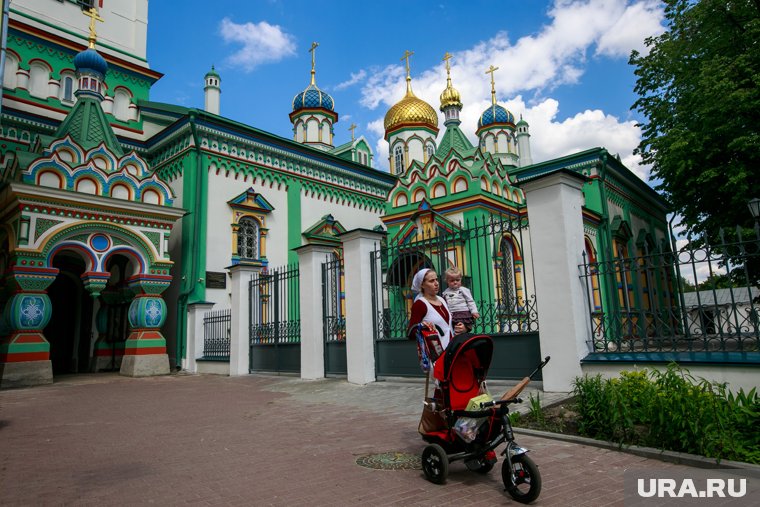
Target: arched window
[
  {"x": 39, "y": 76},
  {"x": 121, "y": 100},
  {"x": 67, "y": 88},
  {"x": 248, "y": 238},
  {"x": 9, "y": 72},
  {"x": 398, "y": 159},
  {"x": 430, "y": 151},
  {"x": 505, "y": 279}
]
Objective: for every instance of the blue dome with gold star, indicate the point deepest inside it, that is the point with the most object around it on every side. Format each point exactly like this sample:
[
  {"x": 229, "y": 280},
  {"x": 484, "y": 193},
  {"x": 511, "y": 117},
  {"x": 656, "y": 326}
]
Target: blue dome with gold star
[
  {"x": 495, "y": 114},
  {"x": 311, "y": 98},
  {"x": 90, "y": 60}
]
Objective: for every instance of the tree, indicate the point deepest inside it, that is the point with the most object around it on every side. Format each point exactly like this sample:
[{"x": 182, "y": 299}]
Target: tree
[{"x": 698, "y": 89}]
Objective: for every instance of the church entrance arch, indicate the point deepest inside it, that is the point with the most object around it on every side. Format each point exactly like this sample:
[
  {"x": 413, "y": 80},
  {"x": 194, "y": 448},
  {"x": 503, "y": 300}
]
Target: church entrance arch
[{"x": 70, "y": 328}]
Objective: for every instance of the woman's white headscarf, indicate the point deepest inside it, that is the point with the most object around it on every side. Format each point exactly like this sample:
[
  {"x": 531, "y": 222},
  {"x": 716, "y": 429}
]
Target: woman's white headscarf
[{"x": 417, "y": 280}]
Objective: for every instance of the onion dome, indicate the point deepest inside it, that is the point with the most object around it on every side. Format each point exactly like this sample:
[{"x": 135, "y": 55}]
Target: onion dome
[
  {"x": 495, "y": 114},
  {"x": 410, "y": 109},
  {"x": 90, "y": 60},
  {"x": 313, "y": 97},
  {"x": 212, "y": 73},
  {"x": 450, "y": 96}
]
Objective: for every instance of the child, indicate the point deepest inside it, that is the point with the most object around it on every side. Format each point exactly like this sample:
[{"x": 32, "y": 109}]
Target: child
[{"x": 459, "y": 300}]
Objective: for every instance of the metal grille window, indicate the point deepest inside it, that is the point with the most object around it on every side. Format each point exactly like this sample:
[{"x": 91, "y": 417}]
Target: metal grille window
[
  {"x": 507, "y": 275},
  {"x": 248, "y": 238},
  {"x": 398, "y": 159}
]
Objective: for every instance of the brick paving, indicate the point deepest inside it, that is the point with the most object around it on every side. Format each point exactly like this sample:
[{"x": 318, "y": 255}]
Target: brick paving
[{"x": 255, "y": 440}]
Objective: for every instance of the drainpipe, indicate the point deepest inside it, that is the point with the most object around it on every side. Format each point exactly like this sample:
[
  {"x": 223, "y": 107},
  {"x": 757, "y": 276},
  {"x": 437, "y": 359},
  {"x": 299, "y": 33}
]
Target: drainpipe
[
  {"x": 189, "y": 283},
  {"x": 3, "y": 49}
]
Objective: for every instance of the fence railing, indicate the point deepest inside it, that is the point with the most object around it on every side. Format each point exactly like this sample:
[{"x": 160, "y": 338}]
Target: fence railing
[
  {"x": 699, "y": 298},
  {"x": 490, "y": 251},
  {"x": 216, "y": 334},
  {"x": 274, "y": 307},
  {"x": 333, "y": 301}
]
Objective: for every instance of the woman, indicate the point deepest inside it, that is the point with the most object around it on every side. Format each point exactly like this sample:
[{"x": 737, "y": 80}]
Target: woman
[{"x": 429, "y": 309}]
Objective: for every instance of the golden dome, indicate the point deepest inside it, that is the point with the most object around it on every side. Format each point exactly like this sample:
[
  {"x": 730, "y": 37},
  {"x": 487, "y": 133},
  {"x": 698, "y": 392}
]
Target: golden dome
[
  {"x": 410, "y": 109},
  {"x": 450, "y": 96}
]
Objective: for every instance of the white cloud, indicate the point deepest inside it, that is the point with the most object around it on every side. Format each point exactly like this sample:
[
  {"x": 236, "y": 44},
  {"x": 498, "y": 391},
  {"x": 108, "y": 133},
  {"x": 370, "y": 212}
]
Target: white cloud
[
  {"x": 355, "y": 78},
  {"x": 533, "y": 66},
  {"x": 262, "y": 43}
]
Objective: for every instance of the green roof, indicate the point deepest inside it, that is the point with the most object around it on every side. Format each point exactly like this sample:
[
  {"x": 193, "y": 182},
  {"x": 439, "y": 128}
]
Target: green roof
[
  {"x": 454, "y": 138},
  {"x": 87, "y": 125}
]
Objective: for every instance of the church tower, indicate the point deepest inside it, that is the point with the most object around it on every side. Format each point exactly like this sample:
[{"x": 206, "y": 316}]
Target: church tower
[
  {"x": 313, "y": 114},
  {"x": 523, "y": 143},
  {"x": 212, "y": 91},
  {"x": 411, "y": 127},
  {"x": 496, "y": 129}
]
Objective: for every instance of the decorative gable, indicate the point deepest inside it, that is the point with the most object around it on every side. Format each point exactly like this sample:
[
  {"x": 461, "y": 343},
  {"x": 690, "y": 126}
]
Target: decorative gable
[{"x": 325, "y": 232}]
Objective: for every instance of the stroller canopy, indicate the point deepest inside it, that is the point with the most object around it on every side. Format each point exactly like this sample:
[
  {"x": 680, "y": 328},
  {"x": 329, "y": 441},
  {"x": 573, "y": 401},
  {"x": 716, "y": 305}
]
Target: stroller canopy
[{"x": 465, "y": 367}]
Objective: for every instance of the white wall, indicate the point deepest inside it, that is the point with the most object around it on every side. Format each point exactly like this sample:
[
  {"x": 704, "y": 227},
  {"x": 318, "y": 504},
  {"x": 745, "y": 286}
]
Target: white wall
[{"x": 125, "y": 25}]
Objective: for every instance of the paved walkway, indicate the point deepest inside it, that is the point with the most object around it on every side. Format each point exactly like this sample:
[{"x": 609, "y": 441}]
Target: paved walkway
[{"x": 255, "y": 440}]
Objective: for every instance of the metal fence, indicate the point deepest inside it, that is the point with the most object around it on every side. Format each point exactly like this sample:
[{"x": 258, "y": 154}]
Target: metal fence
[
  {"x": 216, "y": 334},
  {"x": 490, "y": 251},
  {"x": 697, "y": 297},
  {"x": 333, "y": 301},
  {"x": 274, "y": 307}
]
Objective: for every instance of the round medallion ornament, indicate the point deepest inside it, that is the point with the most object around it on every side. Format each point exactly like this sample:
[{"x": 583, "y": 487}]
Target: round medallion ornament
[
  {"x": 147, "y": 312},
  {"x": 100, "y": 242},
  {"x": 390, "y": 461}
]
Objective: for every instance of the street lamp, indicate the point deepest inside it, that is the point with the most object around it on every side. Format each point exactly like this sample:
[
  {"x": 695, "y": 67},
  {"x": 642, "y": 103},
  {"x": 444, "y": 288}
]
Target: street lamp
[{"x": 754, "y": 208}]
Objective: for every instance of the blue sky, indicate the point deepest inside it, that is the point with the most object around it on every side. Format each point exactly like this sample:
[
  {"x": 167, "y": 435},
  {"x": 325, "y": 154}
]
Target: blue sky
[{"x": 562, "y": 63}]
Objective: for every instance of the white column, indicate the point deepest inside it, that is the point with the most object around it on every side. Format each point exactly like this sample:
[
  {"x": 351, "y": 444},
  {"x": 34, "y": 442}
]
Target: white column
[
  {"x": 360, "y": 343},
  {"x": 239, "y": 340},
  {"x": 195, "y": 314},
  {"x": 310, "y": 260},
  {"x": 556, "y": 233}
]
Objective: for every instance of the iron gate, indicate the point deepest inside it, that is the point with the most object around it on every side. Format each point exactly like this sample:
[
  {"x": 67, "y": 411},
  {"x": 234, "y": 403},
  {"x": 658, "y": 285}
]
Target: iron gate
[
  {"x": 334, "y": 316},
  {"x": 490, "y": 251},
  {"x": 275, "y": 323}
]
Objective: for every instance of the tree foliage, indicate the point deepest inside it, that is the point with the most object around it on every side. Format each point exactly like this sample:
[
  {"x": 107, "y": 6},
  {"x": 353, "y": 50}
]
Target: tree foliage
[{"x": 698, "y": 89}]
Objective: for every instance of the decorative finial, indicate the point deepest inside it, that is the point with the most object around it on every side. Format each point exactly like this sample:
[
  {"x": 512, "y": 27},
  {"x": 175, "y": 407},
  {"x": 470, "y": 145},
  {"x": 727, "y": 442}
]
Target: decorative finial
[
  {"x": 448, "y": 56},
  {"x": 92, "y": 13},
  {"x": 312, "y": 50},
  {"x": 491, "y": 70},
  {"x": 406, "y": 56},
  {"x": 352, "y": 128}
]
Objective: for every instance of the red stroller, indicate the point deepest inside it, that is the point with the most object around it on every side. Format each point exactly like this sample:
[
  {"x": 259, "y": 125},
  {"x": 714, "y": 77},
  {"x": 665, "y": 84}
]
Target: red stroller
[{"x": 455, "y": 433}]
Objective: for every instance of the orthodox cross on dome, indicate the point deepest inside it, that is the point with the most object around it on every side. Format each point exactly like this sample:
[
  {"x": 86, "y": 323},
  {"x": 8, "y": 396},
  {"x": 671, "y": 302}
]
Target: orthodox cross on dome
[
  {"x": 491, "y": 70},
  {"x": 352, "y": 128},
  {"x": 406, "y": 56},
  {"x": 313, "y": 50},
  {"x": 92, "y": 13},
  {"x": 448, "y": 56}
]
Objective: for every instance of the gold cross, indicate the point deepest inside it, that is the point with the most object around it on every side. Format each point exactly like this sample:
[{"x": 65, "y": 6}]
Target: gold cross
[
  {"x": 406, "y": 56},
  {"x": 448, "y": 56},
  {"x": 352, "y": 128},
  {"x": 92, "y": 13},
  {"x": 491, "y": 70},
  {"x": 313, "y": 51}
]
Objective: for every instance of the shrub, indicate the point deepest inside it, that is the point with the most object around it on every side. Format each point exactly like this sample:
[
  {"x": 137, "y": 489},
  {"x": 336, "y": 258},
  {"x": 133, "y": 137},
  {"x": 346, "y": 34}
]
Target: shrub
[{"x": 670, "y": 410}]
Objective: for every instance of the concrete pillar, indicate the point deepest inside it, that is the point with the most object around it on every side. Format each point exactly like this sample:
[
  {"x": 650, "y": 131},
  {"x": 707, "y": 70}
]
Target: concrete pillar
[
  {"x": 360, "y": 344},
  {"x": 195, "y": 314},
  {"x": 310, "y": 260},
  {"x": 556, "y": 233},
  {"x": 239, "y": 341}
]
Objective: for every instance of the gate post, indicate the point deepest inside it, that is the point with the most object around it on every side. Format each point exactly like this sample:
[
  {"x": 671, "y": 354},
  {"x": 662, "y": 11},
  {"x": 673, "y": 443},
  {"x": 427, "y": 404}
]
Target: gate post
[
  {"x": 358, "y": 245},
  {"x": 240, "y": 343},
  {"x": 555, "y": 217},
  {"x": 310, "y": 259},
  {"x": 195, "y": 334}
]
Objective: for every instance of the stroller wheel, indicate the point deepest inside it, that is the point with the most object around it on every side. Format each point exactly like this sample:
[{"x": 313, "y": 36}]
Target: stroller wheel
[{"x": 435, "y": 463}]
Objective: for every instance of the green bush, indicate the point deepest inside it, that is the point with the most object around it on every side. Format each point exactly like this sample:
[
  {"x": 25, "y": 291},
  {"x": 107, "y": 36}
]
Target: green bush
[{"x": 670, "y": 410}]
